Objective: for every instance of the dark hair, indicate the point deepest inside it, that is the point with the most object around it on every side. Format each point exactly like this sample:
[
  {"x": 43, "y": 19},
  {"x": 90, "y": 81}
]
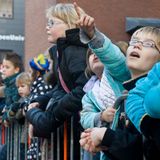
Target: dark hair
[
  {"x": 34, "y": 74},
  {"x": 88, "y": 71},
  {"x": 15, "y": 59},
  {"x": 50, "y": 78}
]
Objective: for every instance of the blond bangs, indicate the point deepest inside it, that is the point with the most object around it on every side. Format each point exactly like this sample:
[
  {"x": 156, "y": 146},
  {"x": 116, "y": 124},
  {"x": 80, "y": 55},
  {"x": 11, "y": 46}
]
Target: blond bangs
[
  {"x": 64, "y": 11},
  {"x": 150, "y": 31},
  {"x": 23, "y": 78}
]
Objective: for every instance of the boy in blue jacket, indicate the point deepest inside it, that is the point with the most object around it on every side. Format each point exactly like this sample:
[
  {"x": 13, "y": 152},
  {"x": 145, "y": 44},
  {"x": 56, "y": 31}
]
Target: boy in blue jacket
[{"x": 143, "y": 103}]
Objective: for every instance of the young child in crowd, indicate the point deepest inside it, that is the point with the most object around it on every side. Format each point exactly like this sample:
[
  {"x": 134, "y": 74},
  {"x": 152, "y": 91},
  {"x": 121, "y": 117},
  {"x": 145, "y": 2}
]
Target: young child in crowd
[
  {"x": 39, "y": 66},
  {"x": 12, "y": 66},
  {"x": 93, "y": 101},
  {"x": 141, "y": 48},
  {"x": 23, "y": 83},
  {"x": 99, "y": 99},
  {"x": 96, "y": 87}
]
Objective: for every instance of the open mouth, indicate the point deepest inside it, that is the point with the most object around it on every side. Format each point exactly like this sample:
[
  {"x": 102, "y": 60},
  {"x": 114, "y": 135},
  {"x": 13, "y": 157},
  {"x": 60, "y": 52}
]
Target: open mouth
[
  {"x": 135, "y": 54},
  {"x": 96, "y": 60}
]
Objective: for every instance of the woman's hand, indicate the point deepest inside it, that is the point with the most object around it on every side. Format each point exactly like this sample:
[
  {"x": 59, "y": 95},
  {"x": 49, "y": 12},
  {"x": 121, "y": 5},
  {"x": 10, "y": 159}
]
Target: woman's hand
[{"x": 85, "y": 22}]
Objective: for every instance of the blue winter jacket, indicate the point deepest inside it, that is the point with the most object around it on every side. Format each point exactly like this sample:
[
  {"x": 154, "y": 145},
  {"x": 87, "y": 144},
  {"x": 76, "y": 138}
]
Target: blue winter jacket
[
  {"x": 115, "y": 71},
  {"x": 144, "y": 98}
]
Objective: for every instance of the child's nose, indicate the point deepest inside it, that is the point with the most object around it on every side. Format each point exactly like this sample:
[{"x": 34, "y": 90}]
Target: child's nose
[
  {"x": 47, "y": 28},
  {"x": 94, "y": 55},
  {"x": 138, "y": 45}
]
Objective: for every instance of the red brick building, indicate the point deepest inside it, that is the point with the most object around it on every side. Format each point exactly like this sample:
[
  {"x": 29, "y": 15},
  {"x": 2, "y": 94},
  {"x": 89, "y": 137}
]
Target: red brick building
[{"x": 110, "y": 17}]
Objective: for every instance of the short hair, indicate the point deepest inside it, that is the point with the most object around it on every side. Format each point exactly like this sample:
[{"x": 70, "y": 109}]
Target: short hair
[
  {"x": 23, "y": 78},
  {"x": 34, "y": 74},
  {"x": 15, "y": 59},
  {"x": 88, "y": 71},
  {"x": 64, "y": 11},
  {"x": 149, "y": 30}
]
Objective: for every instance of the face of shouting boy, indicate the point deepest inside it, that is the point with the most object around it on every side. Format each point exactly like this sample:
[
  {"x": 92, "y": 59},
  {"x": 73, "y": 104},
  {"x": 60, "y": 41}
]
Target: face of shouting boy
[{"x": 142, "y": 53}]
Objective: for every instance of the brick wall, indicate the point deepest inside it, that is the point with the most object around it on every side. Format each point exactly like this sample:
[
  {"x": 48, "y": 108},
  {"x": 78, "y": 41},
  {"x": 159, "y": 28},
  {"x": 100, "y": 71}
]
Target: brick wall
[{"x": 109, "y": 16}]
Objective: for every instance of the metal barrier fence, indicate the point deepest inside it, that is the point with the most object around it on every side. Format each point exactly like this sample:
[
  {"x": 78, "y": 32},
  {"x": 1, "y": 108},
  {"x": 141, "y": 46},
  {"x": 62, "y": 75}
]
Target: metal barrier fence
[{"x": 62, "y": 145}]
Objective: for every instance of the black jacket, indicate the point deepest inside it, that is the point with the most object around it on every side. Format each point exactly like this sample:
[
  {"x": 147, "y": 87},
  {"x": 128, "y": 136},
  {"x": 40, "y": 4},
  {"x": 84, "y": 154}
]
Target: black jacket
[{"x": 72, "y": 63}]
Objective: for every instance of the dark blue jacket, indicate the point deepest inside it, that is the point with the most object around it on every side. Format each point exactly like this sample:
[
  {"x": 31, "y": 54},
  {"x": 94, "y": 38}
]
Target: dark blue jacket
[{"x": 72, "y": 63}]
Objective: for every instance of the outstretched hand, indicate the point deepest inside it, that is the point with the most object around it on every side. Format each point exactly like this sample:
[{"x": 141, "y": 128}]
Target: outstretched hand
[{"x": 85, "y": 22}]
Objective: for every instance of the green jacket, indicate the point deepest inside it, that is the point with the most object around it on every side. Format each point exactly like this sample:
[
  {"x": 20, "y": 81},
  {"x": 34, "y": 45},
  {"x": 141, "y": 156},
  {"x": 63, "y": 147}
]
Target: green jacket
[{"x": 11, "y": 91}]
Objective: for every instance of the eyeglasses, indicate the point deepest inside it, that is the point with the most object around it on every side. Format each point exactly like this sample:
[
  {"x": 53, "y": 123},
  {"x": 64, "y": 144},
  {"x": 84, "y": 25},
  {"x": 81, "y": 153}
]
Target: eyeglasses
[
  {"x": 51, "y": 23},
  {"x": 147, "y": 43}
]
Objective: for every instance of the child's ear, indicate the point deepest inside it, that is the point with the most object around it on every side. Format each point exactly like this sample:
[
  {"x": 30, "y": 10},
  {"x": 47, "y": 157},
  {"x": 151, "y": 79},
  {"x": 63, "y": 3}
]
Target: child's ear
[{"x": 17, "y": 70}]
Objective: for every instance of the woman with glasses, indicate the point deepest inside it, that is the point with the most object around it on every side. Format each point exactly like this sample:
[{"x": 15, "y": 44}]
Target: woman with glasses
[
  {"x": 125, "y": 142},
  {"x": 69, "y": 63}
]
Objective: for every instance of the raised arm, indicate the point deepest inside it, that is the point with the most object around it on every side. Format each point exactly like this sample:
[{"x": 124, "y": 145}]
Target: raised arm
[
  {"x": 85, "y": 22},
  {"x": 109, "y": 54}
]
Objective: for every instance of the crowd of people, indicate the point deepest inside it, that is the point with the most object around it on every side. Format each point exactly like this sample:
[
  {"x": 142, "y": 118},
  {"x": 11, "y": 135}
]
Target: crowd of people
[{"x": 87, "y": 74}]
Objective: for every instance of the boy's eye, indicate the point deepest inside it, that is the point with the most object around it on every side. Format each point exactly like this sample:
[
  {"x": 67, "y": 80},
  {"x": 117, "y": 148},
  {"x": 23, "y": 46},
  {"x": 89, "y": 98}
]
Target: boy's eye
[
  {"x": 7, "y": 67},
  {"x": 133, "y": 42},
  {"x": 148, "y": 43}
]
